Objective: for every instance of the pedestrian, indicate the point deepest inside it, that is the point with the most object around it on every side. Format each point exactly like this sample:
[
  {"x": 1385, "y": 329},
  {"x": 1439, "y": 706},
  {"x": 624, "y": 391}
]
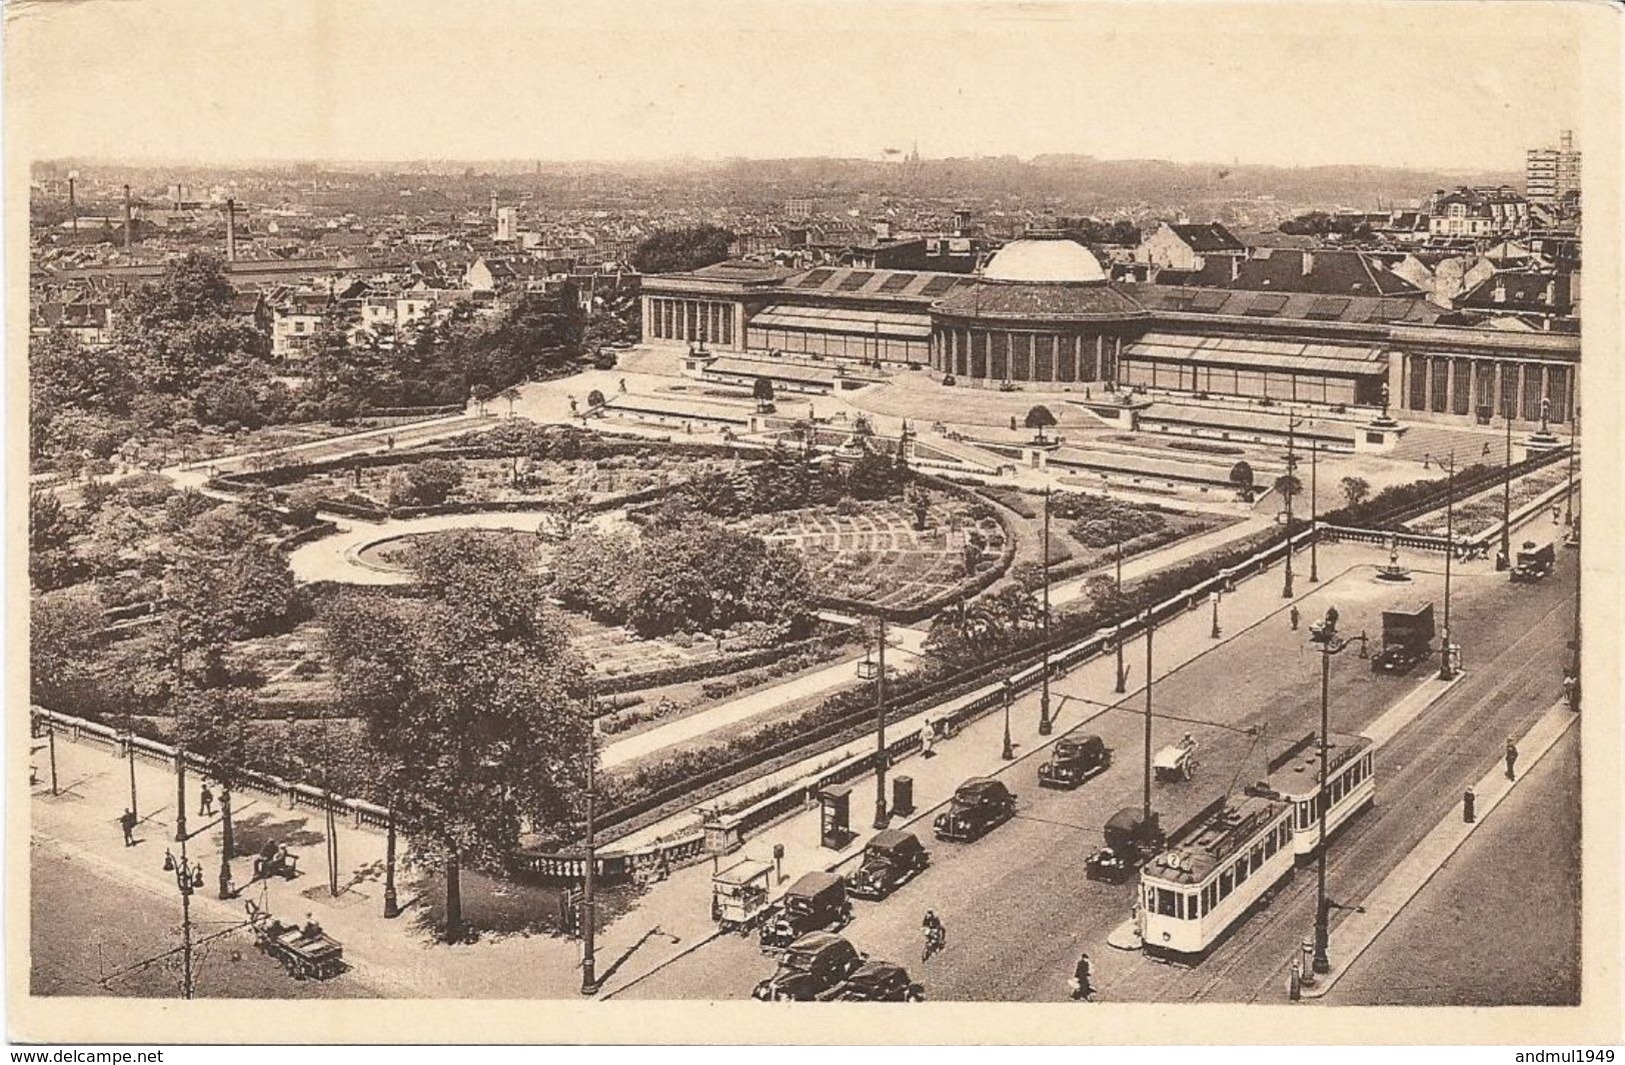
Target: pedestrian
[
  {"x": 1292, "y": 616},
  {"x": 1083, "y": 988},
  {"x": 1557, "y": 516},
  {"x": 623, "y": 384},
  {"x": 127, "y": 823},
  {"x": 205, "y": 802},
  {"x": 389, "y": 442},
  {"x": 928, "y": 736},
  {"x": 1571, "y": 689},
  {"x": 1512, "y": 758}
]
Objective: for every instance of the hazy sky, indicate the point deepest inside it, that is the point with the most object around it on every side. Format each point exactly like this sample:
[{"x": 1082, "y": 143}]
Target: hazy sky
[{"x": 1449, "y": 84}]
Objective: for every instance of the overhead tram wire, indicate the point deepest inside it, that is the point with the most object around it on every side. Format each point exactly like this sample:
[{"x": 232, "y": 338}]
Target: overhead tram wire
[{"x": 1160, "y": 715}]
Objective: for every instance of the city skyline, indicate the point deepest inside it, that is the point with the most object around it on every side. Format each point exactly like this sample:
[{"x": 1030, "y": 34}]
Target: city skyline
[{"x": 718, "y": 79}]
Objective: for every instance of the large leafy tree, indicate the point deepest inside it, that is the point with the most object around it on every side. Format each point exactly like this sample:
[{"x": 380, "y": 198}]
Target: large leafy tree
[
  {"x": 670, "y": 251},
  {"x": 63, "y": 633},
  {"x": 474, "y": 701}
]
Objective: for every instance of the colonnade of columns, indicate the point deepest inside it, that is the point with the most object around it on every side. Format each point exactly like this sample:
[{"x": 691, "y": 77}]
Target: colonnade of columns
[
  {"x": 1467, "y": 385},
  {"x": 1005, "y": 355},
  {"x": 674, "y": 318}
]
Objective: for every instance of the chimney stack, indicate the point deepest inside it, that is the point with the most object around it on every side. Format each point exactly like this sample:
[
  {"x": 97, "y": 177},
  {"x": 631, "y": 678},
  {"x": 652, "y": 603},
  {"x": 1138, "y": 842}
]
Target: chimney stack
[
  {"x": 129, "y": 233},
  {"x": 73, "y": 202},
  {"x": 231, "y": 231}
]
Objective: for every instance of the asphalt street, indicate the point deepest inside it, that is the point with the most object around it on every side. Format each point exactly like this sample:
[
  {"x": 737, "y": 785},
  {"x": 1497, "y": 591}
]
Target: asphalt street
[{"x": 1016, "y": 904}]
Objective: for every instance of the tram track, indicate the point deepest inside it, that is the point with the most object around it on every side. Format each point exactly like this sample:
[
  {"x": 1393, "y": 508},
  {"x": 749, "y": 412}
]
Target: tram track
[{"x": 1262, "y": 948}]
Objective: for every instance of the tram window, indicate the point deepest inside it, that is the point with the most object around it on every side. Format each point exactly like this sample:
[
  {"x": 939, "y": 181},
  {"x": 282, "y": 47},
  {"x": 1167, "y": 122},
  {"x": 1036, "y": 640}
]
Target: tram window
[
  {"x": 1226, "y": 883},
  {"x": 1190, "y": 906},
  {"x": 1258, "y": 857},
  {"x": 1269, "y": 845},
  {"x": 1165, "y": 902},
  {"x": 1210, "y": 895},
  {"x": 1241, "y": 872}
]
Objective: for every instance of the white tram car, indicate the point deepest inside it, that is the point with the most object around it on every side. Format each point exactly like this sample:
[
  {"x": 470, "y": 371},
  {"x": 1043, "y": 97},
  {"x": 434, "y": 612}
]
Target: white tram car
[
  {"x": 1213, "y": 871},
  {"x": 1294, "y": 777}
]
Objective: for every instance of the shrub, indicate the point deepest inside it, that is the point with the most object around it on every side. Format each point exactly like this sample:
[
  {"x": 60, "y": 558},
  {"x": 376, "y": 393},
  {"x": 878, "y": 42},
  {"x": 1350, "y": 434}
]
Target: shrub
[{"x": 424, "y": 484}]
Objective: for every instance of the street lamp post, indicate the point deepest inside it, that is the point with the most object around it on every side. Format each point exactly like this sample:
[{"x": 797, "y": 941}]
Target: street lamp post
[
  {"x": 1045, "y": 726},
  {"x": 50, "y": 740},
  {"x": 1330, "y": 646},
  {"x": 392, "y": 907},
  {"x": 589, "y": 920},
  {"x": 882, "y": 817},
  {"x": 1217, "y": 595},
  {"x": 1148, "y": 630},
  {"x": 1009, "y": 751},
  {"x": 188, "y": 878},
  {"x": 1122, "y": 681},
  {"x": 1314, "y": 512},
  {"x": 1445, "y": 670}
]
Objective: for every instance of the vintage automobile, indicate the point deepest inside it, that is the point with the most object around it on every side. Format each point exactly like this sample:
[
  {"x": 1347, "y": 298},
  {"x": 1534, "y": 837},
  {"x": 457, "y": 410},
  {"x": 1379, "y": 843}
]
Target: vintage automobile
[
  {"x": 980, "y": 804},
  {"x": 881, "y": 981},
  {"x": 814, "y": 902},
  {"x": 891, "y": 859},
  {"x": 1407, "y": 638},
  {"x": 814, "y": 967},
  {"x": 1534, "y": 561},
  {"x": 1131, "y": 841},
  {"x": 1073, "y": 761}
]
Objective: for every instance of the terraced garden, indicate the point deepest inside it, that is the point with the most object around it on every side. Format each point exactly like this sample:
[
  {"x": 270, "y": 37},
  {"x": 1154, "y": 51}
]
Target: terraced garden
[{"x": 872, "y": 552}]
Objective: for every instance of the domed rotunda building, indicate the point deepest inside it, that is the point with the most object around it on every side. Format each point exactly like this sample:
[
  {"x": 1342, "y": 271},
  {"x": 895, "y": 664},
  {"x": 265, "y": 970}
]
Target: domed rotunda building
[{"x": 1042, "y": 312}]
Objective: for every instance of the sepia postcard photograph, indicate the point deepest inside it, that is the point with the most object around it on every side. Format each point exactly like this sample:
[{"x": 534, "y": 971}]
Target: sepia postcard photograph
[{"x": 630, "y": 522}]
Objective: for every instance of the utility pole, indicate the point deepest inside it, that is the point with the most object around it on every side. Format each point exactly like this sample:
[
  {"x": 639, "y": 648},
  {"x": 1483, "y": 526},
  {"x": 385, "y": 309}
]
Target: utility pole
[
  {"x": 1291, "y": 468},
  {"x": 1045, "y": 726},
  {"x": 1332, "y": 646},
  {"x": 882, "y": 817},
  {"x": 1568, "y": 493},
  {"x": 1506, "y": 492},
  {"x": 1314, "y": 512},
  {"x": 50, "y": 734},
  {"x": 1009, "y": 752},
  {"x": 1122, "y": 681},
  {"x": 129, "y": 752},
  {"x": 589, "y": 961}
]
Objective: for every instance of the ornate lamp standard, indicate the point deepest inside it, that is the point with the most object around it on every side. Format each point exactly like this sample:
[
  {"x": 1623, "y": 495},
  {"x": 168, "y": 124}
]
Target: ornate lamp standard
[
  {"x": 1292, "y": 424},
  {"x": 589, "y": 920},
  {"x": 188, "y": 878},
  {"x": 1446, "y": 670}
]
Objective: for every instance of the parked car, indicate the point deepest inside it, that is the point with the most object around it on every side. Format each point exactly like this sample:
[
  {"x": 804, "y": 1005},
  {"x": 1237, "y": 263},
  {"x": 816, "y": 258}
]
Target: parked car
[
  {"x": 1131, "y": 841},
  {"x": 980, "y": 805},
  {"x": 1074, "y": 760},
  {"x": 814, "y": 967},
  {"x": 891, "y": 859},
  {"x": 816, "y": 901},
  {"x": 881, "y": 981}
]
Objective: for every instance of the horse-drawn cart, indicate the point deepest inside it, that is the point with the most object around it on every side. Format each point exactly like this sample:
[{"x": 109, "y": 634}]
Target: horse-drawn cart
[{"x": 307, "y": 953}]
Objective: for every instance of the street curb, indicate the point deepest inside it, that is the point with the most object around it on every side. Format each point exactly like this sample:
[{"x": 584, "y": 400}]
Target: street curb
[{"x": 1324, "y": 984}]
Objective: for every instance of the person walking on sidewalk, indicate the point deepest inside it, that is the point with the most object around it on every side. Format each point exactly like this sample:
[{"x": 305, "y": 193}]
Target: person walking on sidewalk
[
  {"x": 127, "y": 823},
  {"x": 1083, "y": 988},
  {"x": 928, "y": 736},
  {"x": 1292, "y": 616},
  {"x": 1512, "y": 757},
  {"x": 205, "y": 802}
]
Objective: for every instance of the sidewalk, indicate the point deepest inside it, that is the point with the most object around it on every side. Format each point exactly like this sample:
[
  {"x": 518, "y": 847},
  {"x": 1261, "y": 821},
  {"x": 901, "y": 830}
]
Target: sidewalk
[
  {"x": 816, "y": 682},
  {"x": 396, "y": 958},
  {"x": 1360, "y": 929}
]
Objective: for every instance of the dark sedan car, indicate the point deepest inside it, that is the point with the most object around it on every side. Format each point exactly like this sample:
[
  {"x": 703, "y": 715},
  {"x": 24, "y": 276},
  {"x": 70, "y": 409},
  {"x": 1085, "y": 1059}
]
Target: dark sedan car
[
  {"x": 1073, "y": 761},
  {"x": 891, "y": 859},
  {"x": 814, "y": 967},
  {"x": 980, "y": 805},
  {"x": 881, "y": 981},
  {"x": 815, "y": 901}
]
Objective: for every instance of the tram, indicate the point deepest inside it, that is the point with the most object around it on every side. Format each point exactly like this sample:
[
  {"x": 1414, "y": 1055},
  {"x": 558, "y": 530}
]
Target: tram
[
  {"x": 1215, "y": 869},
  {"x": 1294, "y": 777}
]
